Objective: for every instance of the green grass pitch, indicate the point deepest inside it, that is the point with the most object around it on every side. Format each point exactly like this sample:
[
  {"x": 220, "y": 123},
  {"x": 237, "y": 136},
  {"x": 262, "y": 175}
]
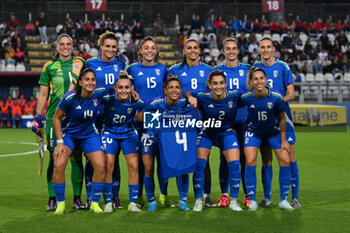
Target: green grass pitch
[{"x": 323, "y": 159}]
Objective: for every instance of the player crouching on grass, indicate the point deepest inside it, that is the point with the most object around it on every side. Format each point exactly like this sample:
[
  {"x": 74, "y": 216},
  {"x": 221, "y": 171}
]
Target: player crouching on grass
[
  {"x": 119, "y": 133},
  {"x": 81, "y": 105},
  {"x": 266, "y": 111}
]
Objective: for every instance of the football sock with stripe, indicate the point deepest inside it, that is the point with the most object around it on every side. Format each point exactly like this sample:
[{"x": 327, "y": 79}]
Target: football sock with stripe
[
  {"x": 284, "y": 179},
  {"x": 149, "y": 187},
  {"x": 198, "y": 178},
  {"x": 60, "y": 191},
  {"x": 250, "y": 181},
  {"x": 234, "y": 177},
  {"x": 133, "y": 192},
  {"x": 97, "y": 189}
]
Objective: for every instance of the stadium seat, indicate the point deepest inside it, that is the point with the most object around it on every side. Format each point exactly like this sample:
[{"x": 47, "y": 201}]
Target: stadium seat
[
  {"x": 2, "y": 65},
  {"x": 58, "y": 28},
  {"x": 319, "y": 77},
  {"x": 120, "y": 36},
  {"x": 347, "y": 77},
  {"x": 283, "y": 35},
  {"x": 302, "y": 77},
  {"x": 127, "y": 36},
  {"x": 212, "y": 34},
  {"x": 20, "y": 67},
  {"x": 276, "y": 37},
  {"x": 331, "y": 38},
  {"x": 329, "y": 77},
  {"x": 93, "y": 52},
  {"x": 207, "y": 59},
  {"x": 10, "y": 67},
  {"x": 314, "y": 44},
  {"x": 194, "y": 36},
  {"x": 121, "y": 45},
  {"x": 310, "y": 77},
  {"x": 247, "y": 35},
  {"x": 206, "y": 51},
  {"x": 122, "y": 51},
  {"x": 268, "y": 35},
  {"x": 215, "y": 52},
  {"x": 258, "y": 36},
  {"x": 200, "y": 36},
  {"x": 303, "y": 37},
  {"x": 338, "y": 76},
  {"x": 238, "y": 35}
]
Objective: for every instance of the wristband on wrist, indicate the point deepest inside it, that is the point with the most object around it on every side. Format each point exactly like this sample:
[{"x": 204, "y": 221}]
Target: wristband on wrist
[{"x": 59, "y": 141}]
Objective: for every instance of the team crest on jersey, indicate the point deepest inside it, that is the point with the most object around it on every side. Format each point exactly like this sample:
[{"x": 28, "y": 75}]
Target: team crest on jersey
[
  {"x": 230, "y": 104},
  {"x": 95, "y": 102},
  {"x": 246, "y": 141},
  {"x": 129, "y": 110},
  {"x": 157, "y": 71},
  {"x": 275, "y": 73},
  {"x": 201, "y": 73},
  {"x": 241, "y": 72},
  {"x": 116, "y": 68},
  {"x": 269, "y": 105},
  {"x": 76, "y": 66}
]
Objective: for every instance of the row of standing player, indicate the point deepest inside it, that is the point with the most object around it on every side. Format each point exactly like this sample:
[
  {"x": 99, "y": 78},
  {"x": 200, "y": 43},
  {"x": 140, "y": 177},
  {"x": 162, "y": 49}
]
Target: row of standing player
[{"x": 148, "y": 64}]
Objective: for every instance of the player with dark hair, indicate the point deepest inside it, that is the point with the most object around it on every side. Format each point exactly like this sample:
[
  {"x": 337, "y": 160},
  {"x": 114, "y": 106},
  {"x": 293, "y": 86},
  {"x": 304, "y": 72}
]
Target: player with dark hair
[
  {"x": 193, "y": 75},
  {"x": 168, "y": 105},
  {"x": 267, "y": 118},
  {"x": 236, "y": 78},
  {"x": 280, "y": 78},
  {"x": 219, "y": 104},
  {"x": 107, "y": 67},
  {"x": 149, "y": 74},
  {"x": 82, "y": 106},
  {"x": 57, "y": 78},
  {"x": 118, "y": 132}
]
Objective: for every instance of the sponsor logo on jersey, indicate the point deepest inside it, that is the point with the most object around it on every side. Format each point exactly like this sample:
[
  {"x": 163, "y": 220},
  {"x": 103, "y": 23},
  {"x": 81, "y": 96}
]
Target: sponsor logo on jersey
[
  {"x": 140, "y": 73},
  {"x": 252, "y": 106},
  {"x": 158, "y": 72},
  {"x": 78, "y": 107},
  {"x": 76, "y": 66},
  {"x": 269, "y": 105},
  {"x": 201, "y": 73},
  {"x": 184, "y": 74},
  {"x": 241, "y": 72},
  {"x": 99, "y": 69},
  {"x": 116, "y": 68},
  {"x": 129, "y": 110},
  {"x": 275, "y": 73},
  {"x": 230, "y": 104},
  {"x": 95, "y": 101},
  {"x": 210, "y": 106}
]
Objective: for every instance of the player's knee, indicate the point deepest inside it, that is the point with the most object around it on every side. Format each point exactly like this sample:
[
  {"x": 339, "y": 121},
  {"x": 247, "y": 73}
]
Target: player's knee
[
  {"x": 100, "y": 170},
  {"x": 251, "y": 161}
]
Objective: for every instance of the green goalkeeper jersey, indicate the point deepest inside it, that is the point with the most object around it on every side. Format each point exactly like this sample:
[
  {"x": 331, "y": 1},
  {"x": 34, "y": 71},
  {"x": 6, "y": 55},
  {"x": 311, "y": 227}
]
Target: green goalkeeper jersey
[{"x": 61, "y": 77}]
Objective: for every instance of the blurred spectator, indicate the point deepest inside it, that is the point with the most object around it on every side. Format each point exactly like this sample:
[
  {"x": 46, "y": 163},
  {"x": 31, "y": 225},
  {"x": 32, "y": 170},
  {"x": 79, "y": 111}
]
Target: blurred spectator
[
  {"x": 236, "y": 24},
  {"x": 131, "y": 50},
  {"x": 13, "y": 22},
  {"x": 185, "y": 29},
  {"x": 307, "y": 47},
  {"x": 318, "y": 64},
  {"x": 327, "y": 65},
  {"x": 253, "y": 46},
  {"x": 86, "y": 55},
  {"x": 221, "y": 59},
  {"x": 5, "y": 31},
  {"x": 10, "y": 54},
  {"x": 256, "y": 25},
  {"x": 19, "y": 55},
  {"x": 345, "y": 64},
  {"x": 247, "y": 26},
  {"x": 209, "y": 25},
  {"x": 92, "y": 39},
  {"x": 274, "y": 27},
  {"x": 339, "y": 26},
  {"x": 204, "y": 42},
  {"x": 70, "y": 23},
  {"x": 88, "y": 26},
  {"x": 64, "y": 30},
  {"x": 30, "y": 28},
  {"x": 116, "y": 25},
  {"x": 84, "y": 45},
  {"x": 283, "y": 26},
  {"x": 308, "y": 65},
  {"x": 41, "y": 23},
  {"x": 319, "y": 25},
  {"x": 196, "y": 25},
  {"x": 137, "y": 31},
  {"x": 341, "y": 38},
  {"x": 212, "y": 43},
  {"x": 265, "y": 26},
  {"x": 122, "y": 27},
  {"x": 219, "y": 22},
  {"x": 159, "y": 27},
  {"x": 329, "y": 26},
  {"x": 243, "y": 43}
]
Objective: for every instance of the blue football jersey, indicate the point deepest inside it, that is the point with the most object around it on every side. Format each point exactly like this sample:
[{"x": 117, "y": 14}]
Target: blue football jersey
[
  {"x": 119, "y": 117},
  {"x": 221, "y": 110},
  {"x": 106, "y": 72},
  {"x": 236, "y": 78},
  {"x": 148, "y": 80},
  {"x": 278, "y": 75},
  {"x": 193, "y": 78},
  {"x": 264, "y": 112},
  {"x": 82, "y": 112}
]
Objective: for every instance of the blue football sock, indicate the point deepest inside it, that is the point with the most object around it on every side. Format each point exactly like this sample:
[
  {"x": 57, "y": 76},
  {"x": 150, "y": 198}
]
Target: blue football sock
[
  {"x": 198, "y": 178},
  {"x": 266, "y": 177},
  {"x": 182, "y": 186},
  {"x": 60, "y": 191},
  {"x": 107, "y": 193},
  {"x": 223, "y": 175},
  {"x": 234, "y": 177},
  {"x": 116, "y": 179},
  {"x": 149, "y": 187},
  {"x": 141, "y": 176},
  {"x": 89, "y": 171},
  {"x": 97, "y": 189},
  {"x": 163, "y": 182},
  {"x": 295, "y": 180},
  {"x": 250, "y": 181},
  {"x": 133, "y": 192},
  {"x": 285, "y": 178}
]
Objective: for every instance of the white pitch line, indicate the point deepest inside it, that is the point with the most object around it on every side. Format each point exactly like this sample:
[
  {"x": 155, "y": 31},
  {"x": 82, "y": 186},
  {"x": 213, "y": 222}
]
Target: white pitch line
[{"x": 22, "y": 153}]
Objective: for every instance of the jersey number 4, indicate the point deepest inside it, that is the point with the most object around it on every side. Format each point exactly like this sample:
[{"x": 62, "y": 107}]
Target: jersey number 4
[{"x": 181, "y": 141}]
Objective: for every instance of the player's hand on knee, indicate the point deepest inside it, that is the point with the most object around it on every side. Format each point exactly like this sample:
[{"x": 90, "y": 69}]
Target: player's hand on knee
[
  {"x": 59, "y": 151},
  {"x": 38, "y": 124},
  {"x": 285, "y": 146}
]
